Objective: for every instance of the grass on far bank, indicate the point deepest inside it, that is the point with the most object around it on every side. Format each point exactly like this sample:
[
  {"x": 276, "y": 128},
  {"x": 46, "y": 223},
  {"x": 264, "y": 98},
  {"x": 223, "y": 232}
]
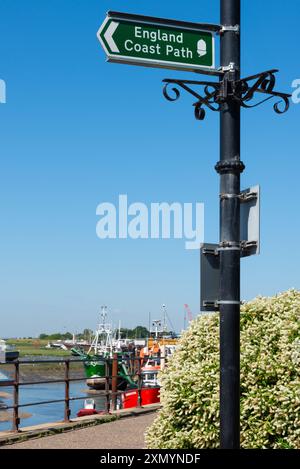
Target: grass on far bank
[{"x": 36, "y": 347}]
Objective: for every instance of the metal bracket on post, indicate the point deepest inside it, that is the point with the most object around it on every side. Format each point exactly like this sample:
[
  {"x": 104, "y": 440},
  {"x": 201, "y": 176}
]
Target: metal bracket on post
[
  {"x": 209, "y": 305},
  {"x": 244, "y": 196},
  {"x": 211, "y": 251},
  {"x": 229, "y": 246},
  {"x": 248, "y": 196},
  {"x": 248, "y": 248},
  {"x": 226, "y": 302},
  {"x": 235, "y": 29},
  {"x": 214, "y": 94},
  {"x": 250, "y": 221},
  {"x": 229, "y": 68},
  {"x": 249, "y": 232}
]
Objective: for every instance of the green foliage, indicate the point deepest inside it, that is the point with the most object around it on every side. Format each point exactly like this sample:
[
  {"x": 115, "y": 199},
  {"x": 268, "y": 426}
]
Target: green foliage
[
  {"x": 139, "y": 332},
  {"x": 56, "y": 336},
  {"x": 270, "y": 380},
  {"x": 43, "y": 336}
]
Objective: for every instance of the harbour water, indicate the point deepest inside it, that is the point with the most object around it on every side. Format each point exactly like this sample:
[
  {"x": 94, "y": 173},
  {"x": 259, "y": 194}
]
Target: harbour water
[{"x": 45, "y": 413}]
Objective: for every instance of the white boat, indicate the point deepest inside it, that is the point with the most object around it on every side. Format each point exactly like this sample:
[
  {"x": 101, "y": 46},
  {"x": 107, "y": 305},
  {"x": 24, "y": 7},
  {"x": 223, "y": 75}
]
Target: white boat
[
  {"x": 7, "y": 352},
  {"x": 3, "y": 377}
]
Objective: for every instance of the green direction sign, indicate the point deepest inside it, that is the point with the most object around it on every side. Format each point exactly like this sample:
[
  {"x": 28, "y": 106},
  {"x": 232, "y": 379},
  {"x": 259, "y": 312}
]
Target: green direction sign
[{"x": 155, "y": 42}]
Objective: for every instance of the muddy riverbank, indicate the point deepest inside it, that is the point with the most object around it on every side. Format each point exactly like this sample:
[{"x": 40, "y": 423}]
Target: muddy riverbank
[{"x": 7, "y": 415}]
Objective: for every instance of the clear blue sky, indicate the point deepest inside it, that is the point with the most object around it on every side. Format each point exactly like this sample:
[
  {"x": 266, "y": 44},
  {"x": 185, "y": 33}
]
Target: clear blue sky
[{"x": 77, "y": 131}]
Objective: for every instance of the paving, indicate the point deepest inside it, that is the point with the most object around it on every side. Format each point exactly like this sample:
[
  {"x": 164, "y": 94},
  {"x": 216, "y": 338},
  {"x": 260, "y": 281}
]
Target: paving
[{"x": 127, "y": 433}]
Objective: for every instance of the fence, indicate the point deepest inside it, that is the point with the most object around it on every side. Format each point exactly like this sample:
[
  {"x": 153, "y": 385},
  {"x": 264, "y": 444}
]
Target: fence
[{"x": 111, "y": 391}]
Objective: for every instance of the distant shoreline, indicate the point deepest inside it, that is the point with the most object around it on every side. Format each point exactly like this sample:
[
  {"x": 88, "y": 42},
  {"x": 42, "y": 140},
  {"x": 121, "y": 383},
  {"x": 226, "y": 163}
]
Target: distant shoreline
[{"x": 43, "y": 371}]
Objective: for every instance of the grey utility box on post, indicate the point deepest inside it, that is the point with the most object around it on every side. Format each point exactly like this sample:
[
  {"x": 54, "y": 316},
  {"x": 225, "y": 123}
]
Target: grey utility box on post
[
  {"x": 210, "y": 276},
  {"x": 250, "y": 245},
  {"x": 250, "y": 221}
]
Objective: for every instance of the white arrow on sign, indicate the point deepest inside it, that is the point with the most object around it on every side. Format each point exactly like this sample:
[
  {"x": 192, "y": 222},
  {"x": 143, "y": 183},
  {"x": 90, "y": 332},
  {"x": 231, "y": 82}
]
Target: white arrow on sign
[{"x": 109, "y": 36}]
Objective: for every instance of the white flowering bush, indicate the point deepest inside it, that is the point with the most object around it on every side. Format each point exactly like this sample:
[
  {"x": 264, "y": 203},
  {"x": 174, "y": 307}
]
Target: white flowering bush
[{"x": 270, "y": 380}]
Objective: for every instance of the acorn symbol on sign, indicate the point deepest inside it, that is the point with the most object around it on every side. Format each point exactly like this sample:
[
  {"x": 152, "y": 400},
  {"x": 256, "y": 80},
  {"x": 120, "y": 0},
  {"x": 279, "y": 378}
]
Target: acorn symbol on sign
[{"x": 201, "y": 48}]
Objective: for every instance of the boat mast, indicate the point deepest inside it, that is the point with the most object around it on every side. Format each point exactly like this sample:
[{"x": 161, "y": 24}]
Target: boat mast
[
  {"x": 102, "y": 329},
  {"x": 119, "y": 336},
  {"x": 164, "y": 319}
]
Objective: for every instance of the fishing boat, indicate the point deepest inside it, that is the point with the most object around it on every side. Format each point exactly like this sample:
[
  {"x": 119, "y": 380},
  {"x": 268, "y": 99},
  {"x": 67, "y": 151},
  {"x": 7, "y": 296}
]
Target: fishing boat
[
  {"x": 130, "y": 398},
  {"x": 150, "y": 385},
  {"x": 161, "y": 344},
  {"x": 153, "y": 357},
  {"x": 99, "y": 358}
]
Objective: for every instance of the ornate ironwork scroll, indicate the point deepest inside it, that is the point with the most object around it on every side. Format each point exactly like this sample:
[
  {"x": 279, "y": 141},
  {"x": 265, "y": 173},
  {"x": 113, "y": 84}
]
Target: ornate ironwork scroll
[
  {"x": 213, "y": 94},
  {"x": 208, "y": 97},
  {"x": 261, "y": 83}
]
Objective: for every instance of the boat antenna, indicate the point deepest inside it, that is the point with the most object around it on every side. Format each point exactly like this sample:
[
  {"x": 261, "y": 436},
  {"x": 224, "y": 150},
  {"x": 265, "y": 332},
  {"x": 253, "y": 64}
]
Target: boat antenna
[
  {"x": 172, "y": 325},
  {"x": 164, "y": 318},
  {"x": 103, "y": 314},
  {"x": 149, "y": 324}
]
